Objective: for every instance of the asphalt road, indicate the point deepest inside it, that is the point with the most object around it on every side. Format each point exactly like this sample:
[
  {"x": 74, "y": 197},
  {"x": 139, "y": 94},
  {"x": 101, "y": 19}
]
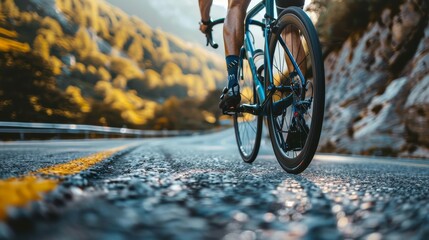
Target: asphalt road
[{"x": 198, "y": 188}]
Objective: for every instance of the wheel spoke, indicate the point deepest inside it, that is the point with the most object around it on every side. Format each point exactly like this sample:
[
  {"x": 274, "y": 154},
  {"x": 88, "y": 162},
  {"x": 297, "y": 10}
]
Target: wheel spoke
[
  {"x": 280, "y": 135},
  {"x": 248, "y": 127},
  {"x": 281, "y": 72},
  {"x": 296, "y": 58},
  {"x": 299, "y": 64}
]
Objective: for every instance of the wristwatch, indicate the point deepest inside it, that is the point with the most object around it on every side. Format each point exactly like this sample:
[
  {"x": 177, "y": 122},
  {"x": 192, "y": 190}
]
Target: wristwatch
[{"x": 202, "y": 22}]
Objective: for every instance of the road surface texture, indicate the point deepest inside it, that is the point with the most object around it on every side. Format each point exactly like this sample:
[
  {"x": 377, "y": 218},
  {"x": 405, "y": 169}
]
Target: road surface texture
[{"x": 198, "y": 188}]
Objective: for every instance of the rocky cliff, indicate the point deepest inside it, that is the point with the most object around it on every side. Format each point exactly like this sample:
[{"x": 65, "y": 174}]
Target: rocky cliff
[{"x": 377, "y": 95}]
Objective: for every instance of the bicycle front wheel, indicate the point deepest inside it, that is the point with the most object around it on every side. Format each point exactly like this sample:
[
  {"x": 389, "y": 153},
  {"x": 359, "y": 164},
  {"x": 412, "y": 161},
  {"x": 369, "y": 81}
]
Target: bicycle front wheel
[
  {"x": 296, "y": 109},
  {"x": 247, "y": 127}
]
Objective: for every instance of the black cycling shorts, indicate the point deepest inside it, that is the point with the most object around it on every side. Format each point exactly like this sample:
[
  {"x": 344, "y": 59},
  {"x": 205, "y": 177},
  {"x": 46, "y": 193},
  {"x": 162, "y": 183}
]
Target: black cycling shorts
[{"x": 282, "y": 4}]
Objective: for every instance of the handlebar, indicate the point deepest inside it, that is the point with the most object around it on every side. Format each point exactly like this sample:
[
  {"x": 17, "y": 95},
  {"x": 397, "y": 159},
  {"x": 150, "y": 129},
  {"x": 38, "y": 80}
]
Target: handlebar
[
  {"x": 210, "y": 41},
  {"x": 209, "y": 32}
]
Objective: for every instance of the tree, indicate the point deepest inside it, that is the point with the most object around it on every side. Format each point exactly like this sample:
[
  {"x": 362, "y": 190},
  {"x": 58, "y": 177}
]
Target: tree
[
  {"x": 135, "y": 51},
  {"x": 124, "y": 67},
  {"x": 83, "y": 43},
  {"x": 2, "y": 18},
  {"x": 37, "y": 98},
  {"x": 96, "y": 59},
  {"x": 153, "y": 79},
  {"x": 104, "y": 74},
  {"x": 171, "y": 73},
  {"x": 210, "y": 104},
  {"x": 76, "y": 97},
  {"x": 10, "y": 9},
  {"x": 93, "y": 16},
  {"x": 140, "y": 86},
  {"x": 120, "y": 82},
  {"x": 56, "y": 65},
  {"x": 178, "y": 114},
  {"x": 121, "y": 36},
  {"x": 79, "y": 13},
  {"x": 103, "y": 114},
  {"x": 41, "y": 47},
  {"x": 53, "y": 25}
]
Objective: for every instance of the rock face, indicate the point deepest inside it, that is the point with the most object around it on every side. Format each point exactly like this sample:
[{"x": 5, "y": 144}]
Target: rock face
[{"x": 377, "y": 95}]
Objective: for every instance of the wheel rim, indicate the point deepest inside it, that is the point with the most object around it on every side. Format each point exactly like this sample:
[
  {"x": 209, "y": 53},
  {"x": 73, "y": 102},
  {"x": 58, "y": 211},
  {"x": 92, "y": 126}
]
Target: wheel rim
[
  {"x": 246, "y": 123},
  {"x": 296, "y": 118}
]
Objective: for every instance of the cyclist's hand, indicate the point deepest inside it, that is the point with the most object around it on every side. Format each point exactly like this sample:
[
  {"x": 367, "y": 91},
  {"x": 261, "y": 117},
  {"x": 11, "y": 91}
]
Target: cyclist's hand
[{"x": 203, "y": 28}]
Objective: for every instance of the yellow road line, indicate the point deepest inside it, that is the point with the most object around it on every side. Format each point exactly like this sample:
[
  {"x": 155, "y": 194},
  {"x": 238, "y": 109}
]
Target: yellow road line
[
  {"x": 18, "y": 192},
  {"x": 78, "y": 165}
]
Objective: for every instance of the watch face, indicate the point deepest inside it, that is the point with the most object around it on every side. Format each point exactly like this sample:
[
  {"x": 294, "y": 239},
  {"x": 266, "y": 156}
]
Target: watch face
[{"x": 205, "y": 22}]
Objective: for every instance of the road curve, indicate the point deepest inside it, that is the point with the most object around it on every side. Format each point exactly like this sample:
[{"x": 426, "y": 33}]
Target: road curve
[{"x": 198, "y": 188}]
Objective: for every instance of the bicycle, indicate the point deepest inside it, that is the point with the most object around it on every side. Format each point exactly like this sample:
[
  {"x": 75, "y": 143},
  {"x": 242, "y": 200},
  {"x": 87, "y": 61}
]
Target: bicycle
[{"x": 287, "y": 89}]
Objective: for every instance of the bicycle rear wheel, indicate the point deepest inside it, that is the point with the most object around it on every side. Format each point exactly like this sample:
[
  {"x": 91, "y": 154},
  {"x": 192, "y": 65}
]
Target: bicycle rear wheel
[
  {"x": 296, "y": 109},
  {"x": 247, "y": 127}
]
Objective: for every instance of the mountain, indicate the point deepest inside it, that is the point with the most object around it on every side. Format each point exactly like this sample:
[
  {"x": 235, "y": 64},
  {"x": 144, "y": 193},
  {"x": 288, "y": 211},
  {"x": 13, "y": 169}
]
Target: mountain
[
  {"x": 377, "y": 74},
  {"x": 179, "y": 18},
  {"x": 101, "y": 66}
]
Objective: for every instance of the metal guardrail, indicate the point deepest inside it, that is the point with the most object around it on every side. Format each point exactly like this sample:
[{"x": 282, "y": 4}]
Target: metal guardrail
[{"x": 23, "y": 128}]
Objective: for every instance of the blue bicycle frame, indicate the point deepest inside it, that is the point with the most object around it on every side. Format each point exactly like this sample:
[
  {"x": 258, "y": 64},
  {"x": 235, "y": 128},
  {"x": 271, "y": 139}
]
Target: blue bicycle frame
[{"x": 249, "y": 50}]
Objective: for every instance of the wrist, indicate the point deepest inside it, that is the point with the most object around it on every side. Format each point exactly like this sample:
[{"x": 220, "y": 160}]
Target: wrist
[{"x": 205, "y": 22}]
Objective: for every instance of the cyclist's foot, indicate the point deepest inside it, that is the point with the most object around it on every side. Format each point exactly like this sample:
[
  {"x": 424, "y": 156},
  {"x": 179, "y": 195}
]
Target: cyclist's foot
[{"x": 230, "y": 99}]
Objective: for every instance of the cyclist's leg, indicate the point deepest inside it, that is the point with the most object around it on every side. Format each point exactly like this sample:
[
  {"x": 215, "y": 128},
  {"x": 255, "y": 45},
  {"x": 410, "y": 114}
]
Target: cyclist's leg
[
  {"x": 233, "y": 32},
  {"x": 291, "y": 36},
  {"x": 293, "y": 42}
]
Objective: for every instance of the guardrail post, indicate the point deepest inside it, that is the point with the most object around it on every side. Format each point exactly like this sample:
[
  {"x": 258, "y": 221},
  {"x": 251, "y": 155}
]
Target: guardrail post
[{"x": 21, "y": 136}]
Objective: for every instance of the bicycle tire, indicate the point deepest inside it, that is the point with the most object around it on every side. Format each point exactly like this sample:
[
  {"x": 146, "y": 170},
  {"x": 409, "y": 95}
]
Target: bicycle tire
[
  {"x": 247, "y": 127},
  {"x": 295, "y": 17}
]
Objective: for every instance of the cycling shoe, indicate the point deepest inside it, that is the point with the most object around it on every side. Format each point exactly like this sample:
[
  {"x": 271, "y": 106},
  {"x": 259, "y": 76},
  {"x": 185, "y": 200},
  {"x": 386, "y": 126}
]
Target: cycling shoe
[{"x": 230, "y": 98}]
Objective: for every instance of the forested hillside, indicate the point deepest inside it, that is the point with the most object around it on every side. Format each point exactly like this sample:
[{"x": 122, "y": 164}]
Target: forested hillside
[
  {"x": 180, "y": 19},
  {"x": 85, "y": 61}
]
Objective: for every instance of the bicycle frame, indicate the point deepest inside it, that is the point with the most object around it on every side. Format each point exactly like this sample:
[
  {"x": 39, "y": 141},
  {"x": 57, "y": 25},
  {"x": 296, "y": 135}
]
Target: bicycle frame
[
  {"x": 249, "y": 50},
  {"x": 281, "y": 93}
]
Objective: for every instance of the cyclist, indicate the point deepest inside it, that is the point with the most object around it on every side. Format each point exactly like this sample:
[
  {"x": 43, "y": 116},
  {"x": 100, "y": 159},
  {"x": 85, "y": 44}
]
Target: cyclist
[{"x": 233, "y": 32}]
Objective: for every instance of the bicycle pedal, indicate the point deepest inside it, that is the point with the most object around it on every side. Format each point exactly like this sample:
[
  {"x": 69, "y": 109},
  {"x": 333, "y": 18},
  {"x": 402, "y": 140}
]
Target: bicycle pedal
[{"x": 229, "y": 112}]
